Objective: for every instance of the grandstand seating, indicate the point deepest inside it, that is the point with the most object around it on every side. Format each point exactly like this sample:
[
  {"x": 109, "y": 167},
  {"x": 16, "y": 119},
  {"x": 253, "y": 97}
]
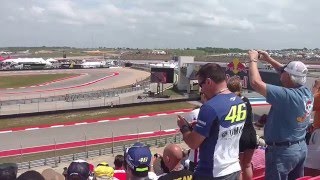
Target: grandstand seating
[
  {"x": 315, "y": 178},
  {"x": 258, "y": 174},
  {"x": 311, "y": 172},
  {"x": 304, "y": 178},
  {"x": 309, "y": 178},
  {"x": 259, "y": 177}
]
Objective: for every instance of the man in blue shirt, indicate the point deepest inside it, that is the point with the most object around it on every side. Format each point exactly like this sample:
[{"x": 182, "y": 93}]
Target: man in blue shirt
[
  {"x": 288, "y": 118},
  {"x": 218, "y": 127}
]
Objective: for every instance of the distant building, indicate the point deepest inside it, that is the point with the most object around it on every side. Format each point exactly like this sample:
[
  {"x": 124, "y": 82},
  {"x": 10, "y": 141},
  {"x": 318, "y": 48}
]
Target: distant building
[
  {"x": 43, "y": 52},
  {"x": 161, "y": 52}
]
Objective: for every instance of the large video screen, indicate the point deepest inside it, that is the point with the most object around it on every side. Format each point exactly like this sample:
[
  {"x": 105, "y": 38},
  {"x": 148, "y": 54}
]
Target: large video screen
[{"x": 162, "y": 75}]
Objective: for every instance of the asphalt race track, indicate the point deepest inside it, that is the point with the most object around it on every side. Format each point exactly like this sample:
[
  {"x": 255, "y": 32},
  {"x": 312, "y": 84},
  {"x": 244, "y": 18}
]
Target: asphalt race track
[{"x": 89, "y": 80}]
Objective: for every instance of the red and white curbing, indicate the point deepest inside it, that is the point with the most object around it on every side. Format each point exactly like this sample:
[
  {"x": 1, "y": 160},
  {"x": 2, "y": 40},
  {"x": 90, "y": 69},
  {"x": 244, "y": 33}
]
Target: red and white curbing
[
  {"x": 259, "y": 103},
  {"x": 61, "y": 79}
]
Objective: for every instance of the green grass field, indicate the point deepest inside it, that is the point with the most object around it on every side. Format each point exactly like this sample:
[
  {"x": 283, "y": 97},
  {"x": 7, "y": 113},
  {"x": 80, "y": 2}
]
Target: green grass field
[
  {"x": 29, "y": 80},
  {"x": 93, "y": 114}
]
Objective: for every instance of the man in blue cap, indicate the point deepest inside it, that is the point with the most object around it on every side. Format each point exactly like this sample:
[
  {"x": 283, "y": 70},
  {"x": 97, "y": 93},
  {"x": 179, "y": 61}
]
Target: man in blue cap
[{"x": 138, "y": 162}]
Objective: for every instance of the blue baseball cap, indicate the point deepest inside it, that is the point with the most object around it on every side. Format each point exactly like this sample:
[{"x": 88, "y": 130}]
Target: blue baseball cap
[
  {"x": 8, "y": 170},
  {"x": 79, "y": 169},
  {"x": 138, "y": 158}
]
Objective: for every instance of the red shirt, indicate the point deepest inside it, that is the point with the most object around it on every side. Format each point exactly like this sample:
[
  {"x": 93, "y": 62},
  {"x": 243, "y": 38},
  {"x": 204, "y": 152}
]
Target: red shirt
[{"x": 120, "y": 174}]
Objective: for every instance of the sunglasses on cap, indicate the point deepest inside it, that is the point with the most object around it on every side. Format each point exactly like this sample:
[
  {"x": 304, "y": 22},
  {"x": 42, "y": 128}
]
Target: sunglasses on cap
[
  {"x": 283, "y": 67},
  {"x": 103, "y": 164}
]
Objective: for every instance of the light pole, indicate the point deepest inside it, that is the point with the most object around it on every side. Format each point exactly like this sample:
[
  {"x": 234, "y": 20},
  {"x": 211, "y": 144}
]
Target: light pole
[
  {"x": 104, "y": 99},
  {"x": 55, "y": 153}
]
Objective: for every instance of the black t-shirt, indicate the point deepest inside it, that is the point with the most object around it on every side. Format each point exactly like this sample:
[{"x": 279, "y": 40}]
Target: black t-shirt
[
  {"x": 248, "y": 123},
  {"x": 177, "y": 175}
]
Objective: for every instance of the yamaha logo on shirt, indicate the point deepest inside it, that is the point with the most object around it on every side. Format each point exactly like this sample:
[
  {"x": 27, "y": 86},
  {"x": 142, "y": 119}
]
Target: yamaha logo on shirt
[{"x": 202, "y": 122}]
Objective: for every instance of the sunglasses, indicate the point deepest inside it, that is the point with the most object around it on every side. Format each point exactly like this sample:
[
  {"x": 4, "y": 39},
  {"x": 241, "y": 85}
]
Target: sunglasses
[{"x": 202, "y": 82}]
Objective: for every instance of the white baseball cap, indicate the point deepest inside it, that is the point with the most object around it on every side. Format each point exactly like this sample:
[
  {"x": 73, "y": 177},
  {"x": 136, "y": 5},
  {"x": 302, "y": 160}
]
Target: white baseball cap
[{"x": 298, "y": 70}]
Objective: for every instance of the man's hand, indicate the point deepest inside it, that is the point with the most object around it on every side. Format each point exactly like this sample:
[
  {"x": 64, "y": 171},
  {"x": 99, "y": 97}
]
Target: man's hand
[
  {"x": 253, "y": 55},
  {"x": 263, "y": 55},
  {"x": 182, "y": 121},
  {"x": 255, "y": 79},
  {"x": 193, "y": 123}
]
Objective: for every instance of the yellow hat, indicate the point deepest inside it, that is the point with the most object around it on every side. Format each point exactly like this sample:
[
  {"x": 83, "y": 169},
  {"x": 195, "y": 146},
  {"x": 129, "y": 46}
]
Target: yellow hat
[{"x": 103, "y": 170}]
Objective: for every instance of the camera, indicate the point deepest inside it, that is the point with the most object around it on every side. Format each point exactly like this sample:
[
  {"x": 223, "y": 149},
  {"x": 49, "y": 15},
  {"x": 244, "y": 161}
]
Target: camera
[
  {"x": 259, "y": 55},
  {"x": 156, "y": 155}
]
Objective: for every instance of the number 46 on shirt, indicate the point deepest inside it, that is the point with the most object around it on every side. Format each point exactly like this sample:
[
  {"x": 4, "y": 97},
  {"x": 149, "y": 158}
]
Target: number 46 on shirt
[{"x": 237, "y": 113}]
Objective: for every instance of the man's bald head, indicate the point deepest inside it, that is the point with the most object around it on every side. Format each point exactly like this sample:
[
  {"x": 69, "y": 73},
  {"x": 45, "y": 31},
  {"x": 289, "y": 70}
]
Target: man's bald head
[{"x": 172, "y": 155}]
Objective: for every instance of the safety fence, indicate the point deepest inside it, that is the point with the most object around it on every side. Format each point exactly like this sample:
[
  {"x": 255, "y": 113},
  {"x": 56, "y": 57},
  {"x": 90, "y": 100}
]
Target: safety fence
[{"x": 54, "y": 161}]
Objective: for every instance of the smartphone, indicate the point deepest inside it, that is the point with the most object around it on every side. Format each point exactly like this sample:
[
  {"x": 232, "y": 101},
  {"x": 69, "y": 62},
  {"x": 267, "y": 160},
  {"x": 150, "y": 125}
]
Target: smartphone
[{"x": 185, "y": 121}]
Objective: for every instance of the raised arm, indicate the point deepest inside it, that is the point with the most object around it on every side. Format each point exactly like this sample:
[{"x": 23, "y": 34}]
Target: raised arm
[
  {"x": 255, "y": 79},
  {"x": 264, "y": 56}
]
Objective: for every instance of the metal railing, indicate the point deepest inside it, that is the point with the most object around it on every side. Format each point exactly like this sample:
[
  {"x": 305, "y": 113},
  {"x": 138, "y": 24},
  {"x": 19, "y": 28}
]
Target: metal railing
[{"x": 54, "y": 161}]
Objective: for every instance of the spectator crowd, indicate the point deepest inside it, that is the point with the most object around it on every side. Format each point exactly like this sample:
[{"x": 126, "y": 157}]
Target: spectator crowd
[{"x": 221, "y": 135}]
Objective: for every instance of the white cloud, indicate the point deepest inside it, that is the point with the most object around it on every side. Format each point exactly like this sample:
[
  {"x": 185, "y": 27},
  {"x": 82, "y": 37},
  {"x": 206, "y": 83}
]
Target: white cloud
[
  {"x": 37, "y": 10},
  {"x": 62, "y": 8},
  {"x": 11, "y": 18},
  {"x": 275, "y": 17},
  {"x": 156, "y": 23}
]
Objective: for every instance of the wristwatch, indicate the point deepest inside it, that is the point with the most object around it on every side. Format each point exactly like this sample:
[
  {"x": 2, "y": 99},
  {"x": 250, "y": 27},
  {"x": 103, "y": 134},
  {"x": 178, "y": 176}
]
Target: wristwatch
[{"x": 185, "y": 128}]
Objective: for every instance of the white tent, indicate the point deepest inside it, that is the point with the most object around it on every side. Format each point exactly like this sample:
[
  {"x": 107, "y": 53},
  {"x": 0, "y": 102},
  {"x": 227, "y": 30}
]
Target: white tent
[
  {"x": 51, "y": 60},
  {"x": 26, "y": 60}
]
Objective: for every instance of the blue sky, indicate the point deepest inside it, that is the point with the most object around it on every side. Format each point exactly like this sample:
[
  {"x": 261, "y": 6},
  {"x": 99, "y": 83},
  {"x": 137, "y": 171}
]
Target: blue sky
[{"x": 266, "y": 24}]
